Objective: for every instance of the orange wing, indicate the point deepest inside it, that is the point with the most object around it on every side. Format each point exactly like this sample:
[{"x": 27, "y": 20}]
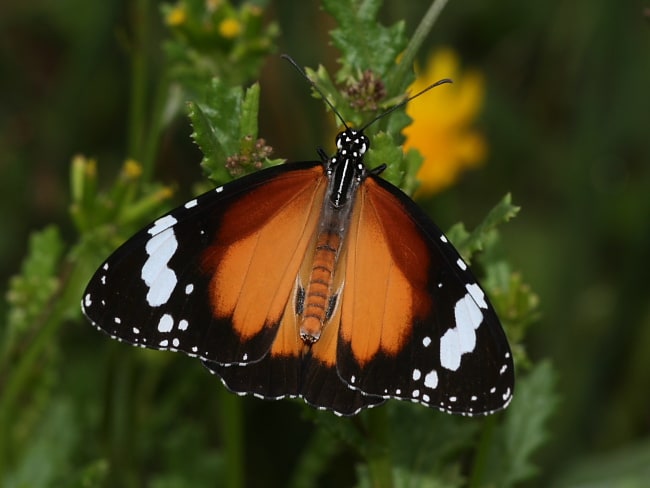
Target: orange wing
[
  {"x": 213, "y": 277},
  {"x": 253, "y": 262},
  {"x": 412, "y": 313}
]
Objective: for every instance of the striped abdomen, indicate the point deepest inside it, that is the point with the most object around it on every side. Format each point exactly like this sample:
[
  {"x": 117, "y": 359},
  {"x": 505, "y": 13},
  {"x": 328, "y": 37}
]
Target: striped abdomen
[{"x": 319, "y": 298}]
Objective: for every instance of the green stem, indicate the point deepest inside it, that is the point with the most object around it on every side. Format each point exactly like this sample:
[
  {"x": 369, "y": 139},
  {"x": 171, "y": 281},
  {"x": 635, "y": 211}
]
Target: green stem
[
  {"x": 17, "y": 380},
  {"x": 482, "y": 453},
  {"x": 138, "y": 105},
  {"x": 409, "y": 54},
  {"x": 232, "y": 430},
  {"x": 157, "y": 124},
  {"x": 120, "y": 404},
  {"x": 378, "y": 456}
]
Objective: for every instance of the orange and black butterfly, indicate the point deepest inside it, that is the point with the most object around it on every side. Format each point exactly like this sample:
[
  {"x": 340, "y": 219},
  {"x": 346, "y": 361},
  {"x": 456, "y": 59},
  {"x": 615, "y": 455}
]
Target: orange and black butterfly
[{"x": 317, "y": 280}]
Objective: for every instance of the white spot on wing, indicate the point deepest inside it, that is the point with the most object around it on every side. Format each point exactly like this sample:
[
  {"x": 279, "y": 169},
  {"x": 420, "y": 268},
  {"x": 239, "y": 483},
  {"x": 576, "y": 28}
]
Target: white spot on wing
[
  {"x": 161, "y": 224},
  {"x": 461, "y": 264},
  {"x": 477, "y": 294},
  {"x": 443, "y": 238},
  {"x": 88, "y": 300},
  {"x": 462, "y": 338},
  {"x": 189, "y": 289},
  {"x": 182, "y": 325},
  {"x": 426, "y": 341},
  {"x": 431, "y": 379},
  {"x": 156, "y": 273},
  {"x": 166, "y": 323},
  {"x": 416, "y": 374},
  {"x": 191, "y": 203}
]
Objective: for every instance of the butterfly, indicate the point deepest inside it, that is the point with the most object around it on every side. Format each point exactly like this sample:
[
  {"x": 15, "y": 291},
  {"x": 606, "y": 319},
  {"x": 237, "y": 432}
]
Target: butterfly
[{"x": 317, "y": 280}]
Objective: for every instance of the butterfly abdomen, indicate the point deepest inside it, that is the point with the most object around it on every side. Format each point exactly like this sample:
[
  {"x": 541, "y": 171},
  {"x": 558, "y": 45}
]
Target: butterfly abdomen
[{"x": 319, "y": 297}]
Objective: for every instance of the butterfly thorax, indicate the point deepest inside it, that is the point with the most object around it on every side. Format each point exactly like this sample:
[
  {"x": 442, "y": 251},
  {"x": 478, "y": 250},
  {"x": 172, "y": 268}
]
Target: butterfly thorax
[{"x": 345, "y": 172}]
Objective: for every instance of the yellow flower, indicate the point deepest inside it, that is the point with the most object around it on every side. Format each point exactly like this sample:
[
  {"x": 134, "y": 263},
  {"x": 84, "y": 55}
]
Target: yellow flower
[
  {"x": 230, "y": 28},
  {"x": 441, "y": 128},
  {"x": 131, "y": 170},
  {"x": 177, "y": 15}
]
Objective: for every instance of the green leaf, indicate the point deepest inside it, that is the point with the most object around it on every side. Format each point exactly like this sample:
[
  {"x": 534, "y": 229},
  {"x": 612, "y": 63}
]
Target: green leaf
[
  {"x": 47, "y": 459},
  {"x": 249, "y": 112},
  {"x": 627, "y": 467},
  {"x": 225, "y": 128},
  {"x": 384, "y": 151},
  {"x": 524, "y": 429},
  {"x": 364, "y": 43},
  {"x": 200, "y": 50},
  {"x": 468, "y": 243},
  {"x": 31, "y": 290},
  {"x": 216, "y": 127}
]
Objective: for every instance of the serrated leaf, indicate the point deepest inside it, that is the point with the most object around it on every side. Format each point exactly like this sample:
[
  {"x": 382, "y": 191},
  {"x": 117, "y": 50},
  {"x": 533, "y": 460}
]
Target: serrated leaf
[
  {"x": 363, "y": 42},
  {"x": 321, "y": 77},
  {"x": 225, "y": 129},
  {"x": 468, "y": 243},
  {"x": 249, "y": 111},
  {"x": 385, "y": 151},
  {"x": 31, "y": 290},
  {"x": 457, "y": 234},
  {"x": 216, "y": 124},
  {"x": 524, "y": 428},
  {"x": 412, "y": 162}
]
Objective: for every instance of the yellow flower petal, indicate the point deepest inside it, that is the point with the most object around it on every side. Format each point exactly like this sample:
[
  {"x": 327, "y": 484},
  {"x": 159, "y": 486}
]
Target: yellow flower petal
[
  {"x": 230, "y": 28},
  {"x": 176, "y": 16},
  {"x": 441, "y": 128}
]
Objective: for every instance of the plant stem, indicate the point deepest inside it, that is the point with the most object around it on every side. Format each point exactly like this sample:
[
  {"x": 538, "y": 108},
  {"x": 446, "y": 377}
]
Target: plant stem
[
  {"x": 138, "y": 103},
  {"x": 232, "y": 430},
  {"x": 17, "y": 380},
  {"x": 378, "y": 456},
  {"x": 420, "y": 34},
  {"x": 478, "y": 469}
]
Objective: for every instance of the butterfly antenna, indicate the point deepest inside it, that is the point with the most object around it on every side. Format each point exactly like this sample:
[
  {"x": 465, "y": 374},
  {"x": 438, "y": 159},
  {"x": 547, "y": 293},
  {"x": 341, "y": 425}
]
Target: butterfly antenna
[
  {"x": 401, "y": 104},
  {"x": 315, "y": 87},
  {"x": 381, "y": 115}
]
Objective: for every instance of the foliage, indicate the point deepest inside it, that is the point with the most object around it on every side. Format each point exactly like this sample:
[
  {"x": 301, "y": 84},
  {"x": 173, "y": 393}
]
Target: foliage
[{"x": 104, "y": 414}]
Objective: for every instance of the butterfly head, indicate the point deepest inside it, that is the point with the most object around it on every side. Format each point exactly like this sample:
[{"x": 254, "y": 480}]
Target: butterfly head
[{"x": 352, "y": 143}]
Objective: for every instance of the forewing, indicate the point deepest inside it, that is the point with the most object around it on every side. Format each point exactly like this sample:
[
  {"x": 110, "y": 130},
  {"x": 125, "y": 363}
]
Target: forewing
[{"x": 212, "y": 278}]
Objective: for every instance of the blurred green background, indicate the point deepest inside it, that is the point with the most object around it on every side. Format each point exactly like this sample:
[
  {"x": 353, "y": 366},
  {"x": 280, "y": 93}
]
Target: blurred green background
[{"x": 567, "y": 122}]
